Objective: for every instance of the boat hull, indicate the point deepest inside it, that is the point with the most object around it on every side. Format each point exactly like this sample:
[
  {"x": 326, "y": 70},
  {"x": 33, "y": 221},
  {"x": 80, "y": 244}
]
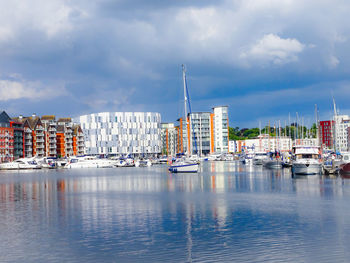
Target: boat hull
[
  {"x": 273, "y": 164},
  {"x": 306, "y": 169},
  {"x": 184, "y": 168},
  {"x": 258, "y": 161},
  {"x": 345, "y": 169}
]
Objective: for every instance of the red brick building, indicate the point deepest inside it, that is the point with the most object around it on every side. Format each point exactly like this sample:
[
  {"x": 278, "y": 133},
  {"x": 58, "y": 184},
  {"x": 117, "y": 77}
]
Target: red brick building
[
  {"x": 326, "y": 133},
  {"x": 6, "y": 138}
]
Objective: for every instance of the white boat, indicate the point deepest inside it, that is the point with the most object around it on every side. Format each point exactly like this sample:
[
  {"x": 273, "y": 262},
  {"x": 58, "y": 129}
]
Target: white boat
[
  {"x": 259, "y": 158},
  {"x": 182, "y": 166},
  {"x": 48, "y": 163},
  {"x": 214, "y": 157},
  {"x": 306, "y": 160},
  {"x": 187, "y": 165},
  {"x": 247, "y": 158},
  {"x": 143, "y": 163},
  {"x": 89, "y": 162},
  {"x": 19, "y": 164},
  {"x": 273, "y": 164}
]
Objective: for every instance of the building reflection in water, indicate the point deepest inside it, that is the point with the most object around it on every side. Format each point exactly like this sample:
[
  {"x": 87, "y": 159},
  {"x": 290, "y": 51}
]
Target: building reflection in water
[{"x": 152, "y": 205}]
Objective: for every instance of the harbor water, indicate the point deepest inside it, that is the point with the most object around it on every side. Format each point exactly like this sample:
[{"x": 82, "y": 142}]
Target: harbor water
[{"x": 226, "y": 213}]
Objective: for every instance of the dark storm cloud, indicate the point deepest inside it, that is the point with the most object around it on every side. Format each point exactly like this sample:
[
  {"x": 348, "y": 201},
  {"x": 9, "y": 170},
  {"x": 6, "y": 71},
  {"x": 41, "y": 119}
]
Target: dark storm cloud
[{"x": 127, "y": 55}]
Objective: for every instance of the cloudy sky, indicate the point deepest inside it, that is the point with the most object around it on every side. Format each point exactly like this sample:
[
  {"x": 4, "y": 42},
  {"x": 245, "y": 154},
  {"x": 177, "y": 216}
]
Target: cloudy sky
[{"x": 262, "y": 58}]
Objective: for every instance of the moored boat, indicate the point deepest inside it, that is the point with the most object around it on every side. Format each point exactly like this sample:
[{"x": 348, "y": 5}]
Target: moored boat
[
  {"x": 259, "y": 158},
  {"x": 344, "y": 168},
  {"x": 184, "y": 166},
  {"x": 307, "y": 160},
  {"x": 20, "y": 164}
]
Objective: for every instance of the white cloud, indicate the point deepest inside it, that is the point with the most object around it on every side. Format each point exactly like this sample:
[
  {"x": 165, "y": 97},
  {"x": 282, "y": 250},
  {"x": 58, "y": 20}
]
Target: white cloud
[
  {"x": 50, "y": 17},
  {"x": 272, "y": 48},
  {"x": 20, "y": 89},
  {"x": 333, "y": 61}
]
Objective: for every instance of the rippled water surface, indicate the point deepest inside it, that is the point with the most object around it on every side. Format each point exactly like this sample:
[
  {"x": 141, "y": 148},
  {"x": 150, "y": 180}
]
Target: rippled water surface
[{"x": 226, "y": 213}]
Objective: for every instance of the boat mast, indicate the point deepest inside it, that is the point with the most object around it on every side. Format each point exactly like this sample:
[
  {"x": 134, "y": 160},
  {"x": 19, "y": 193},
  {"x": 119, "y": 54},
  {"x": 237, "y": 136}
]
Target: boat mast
[
  {"x": 335, "y": 125},
  {"x": 185, "y": 106}
]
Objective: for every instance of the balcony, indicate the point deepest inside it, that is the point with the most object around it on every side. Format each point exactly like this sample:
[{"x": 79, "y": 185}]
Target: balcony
[
  {"x": 52, "y": 135},
  {"x": 52, "y": 146},
  {"x": 40, "y": 140},
  {"x": 28, "y": 137},
  {"x": 40, "y": 146},
  {"x": 28, "y": 143},
  {"x": 39, "y": 128},
  {"x": 41, "y": 152},
  {"x": 52, "y": 129},
  {"x": 28, "y": 149},
  {"x": 52, "y": 152},
  {"x": 53, "y": 140}
]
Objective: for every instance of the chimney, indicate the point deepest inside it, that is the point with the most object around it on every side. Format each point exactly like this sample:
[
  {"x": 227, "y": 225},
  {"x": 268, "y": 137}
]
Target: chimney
[
  {"x": 33, "y": 115},
  {"x": 20, "y": 117}
]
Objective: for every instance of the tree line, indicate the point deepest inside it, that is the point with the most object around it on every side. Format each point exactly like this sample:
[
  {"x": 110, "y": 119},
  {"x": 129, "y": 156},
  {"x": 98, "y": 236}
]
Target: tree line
[{"x": 293, "y": 131}]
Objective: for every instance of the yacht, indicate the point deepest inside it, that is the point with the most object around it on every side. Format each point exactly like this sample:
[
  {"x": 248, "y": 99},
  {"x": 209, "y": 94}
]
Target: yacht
[
  {"x": 143, "y": 163},
  {"x": 273, "y": 162},
  {"x": 189, "y": 164},
  {"x": 344, "y": 168},
  {"x": 183, "y": 166},
  {"x": 306, "y": 160},
  {"x": 259, "y": 158},
  {"x": 89, "y": 162},
  {"x": 19, "y": 164}
]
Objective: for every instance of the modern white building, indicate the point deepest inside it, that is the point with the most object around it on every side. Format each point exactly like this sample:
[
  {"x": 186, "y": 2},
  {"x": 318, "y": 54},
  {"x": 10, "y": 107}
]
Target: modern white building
[
  {"x": 342, "y": 122},
  {"x": 200, "y": 129},
  {"x": 221, "y": 129},
  {"x": 121, "y": 132}
]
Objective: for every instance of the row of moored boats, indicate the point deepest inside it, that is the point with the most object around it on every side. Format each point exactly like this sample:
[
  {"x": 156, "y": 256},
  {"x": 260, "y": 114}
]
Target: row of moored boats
[{"x": 75, "y": 162}]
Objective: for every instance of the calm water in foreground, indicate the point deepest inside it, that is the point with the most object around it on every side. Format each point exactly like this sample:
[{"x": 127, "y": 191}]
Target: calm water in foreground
[{"x": 226, "y": 213}]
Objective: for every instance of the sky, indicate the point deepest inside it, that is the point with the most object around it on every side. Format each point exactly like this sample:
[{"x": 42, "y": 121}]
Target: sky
[{"x": 265, "y": 59}]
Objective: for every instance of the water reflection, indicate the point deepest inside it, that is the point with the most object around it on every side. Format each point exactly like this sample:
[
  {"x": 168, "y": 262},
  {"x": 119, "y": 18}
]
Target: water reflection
[{"x": 228, "y": 212}]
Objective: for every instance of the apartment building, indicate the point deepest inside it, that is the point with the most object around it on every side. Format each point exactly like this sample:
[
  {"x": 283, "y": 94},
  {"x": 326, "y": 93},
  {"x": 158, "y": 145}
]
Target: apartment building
[
  {"x": 64, "y": 136},
  {"x": 50, "y": 128},
  {"x": 201, "y": 127},
  {"x": 208, "y": 132},
  {"x": 341, "y": 125},
  {"x": 326, "y": 133},
  {"x": 6, "y": 138},
  {"x": 265, "y": 143},
  {"x": 169, "y": 139},
  {"x": 78, "y": 140},
  {"x": 121, "y": 132},
  {"x": 221, "y": 129}
]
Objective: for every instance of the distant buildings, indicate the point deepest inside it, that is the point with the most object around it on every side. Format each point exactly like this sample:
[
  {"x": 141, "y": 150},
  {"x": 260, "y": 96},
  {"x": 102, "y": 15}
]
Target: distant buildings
[
  {"x": 341, "y": 125},
  {"x": 122, "y": 132},
  {"x": 326, "y": 134},
  {"x": 201, "y": 133},
  {"x": 6, "y": 138},
  {"x": 169, "y": 138},
  {"x": 38, "y": 137}
]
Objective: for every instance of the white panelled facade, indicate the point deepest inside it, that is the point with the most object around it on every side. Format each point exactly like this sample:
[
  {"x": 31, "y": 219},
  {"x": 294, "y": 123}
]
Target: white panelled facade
[
  {"x": 121, "y": 132},
  {"x": 342, "y": 122},
  {"x": 221, "y": 129}
]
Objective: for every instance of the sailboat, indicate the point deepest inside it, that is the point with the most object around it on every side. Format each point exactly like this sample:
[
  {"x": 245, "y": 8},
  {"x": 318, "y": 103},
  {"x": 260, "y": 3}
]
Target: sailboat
[
  {"x": 275, "y": 161},
  {"x": 185, "y": 164}
]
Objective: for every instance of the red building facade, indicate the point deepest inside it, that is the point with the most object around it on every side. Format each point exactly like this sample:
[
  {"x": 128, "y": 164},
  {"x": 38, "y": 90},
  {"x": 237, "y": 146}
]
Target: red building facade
[{"x": 326, "y": 133}]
